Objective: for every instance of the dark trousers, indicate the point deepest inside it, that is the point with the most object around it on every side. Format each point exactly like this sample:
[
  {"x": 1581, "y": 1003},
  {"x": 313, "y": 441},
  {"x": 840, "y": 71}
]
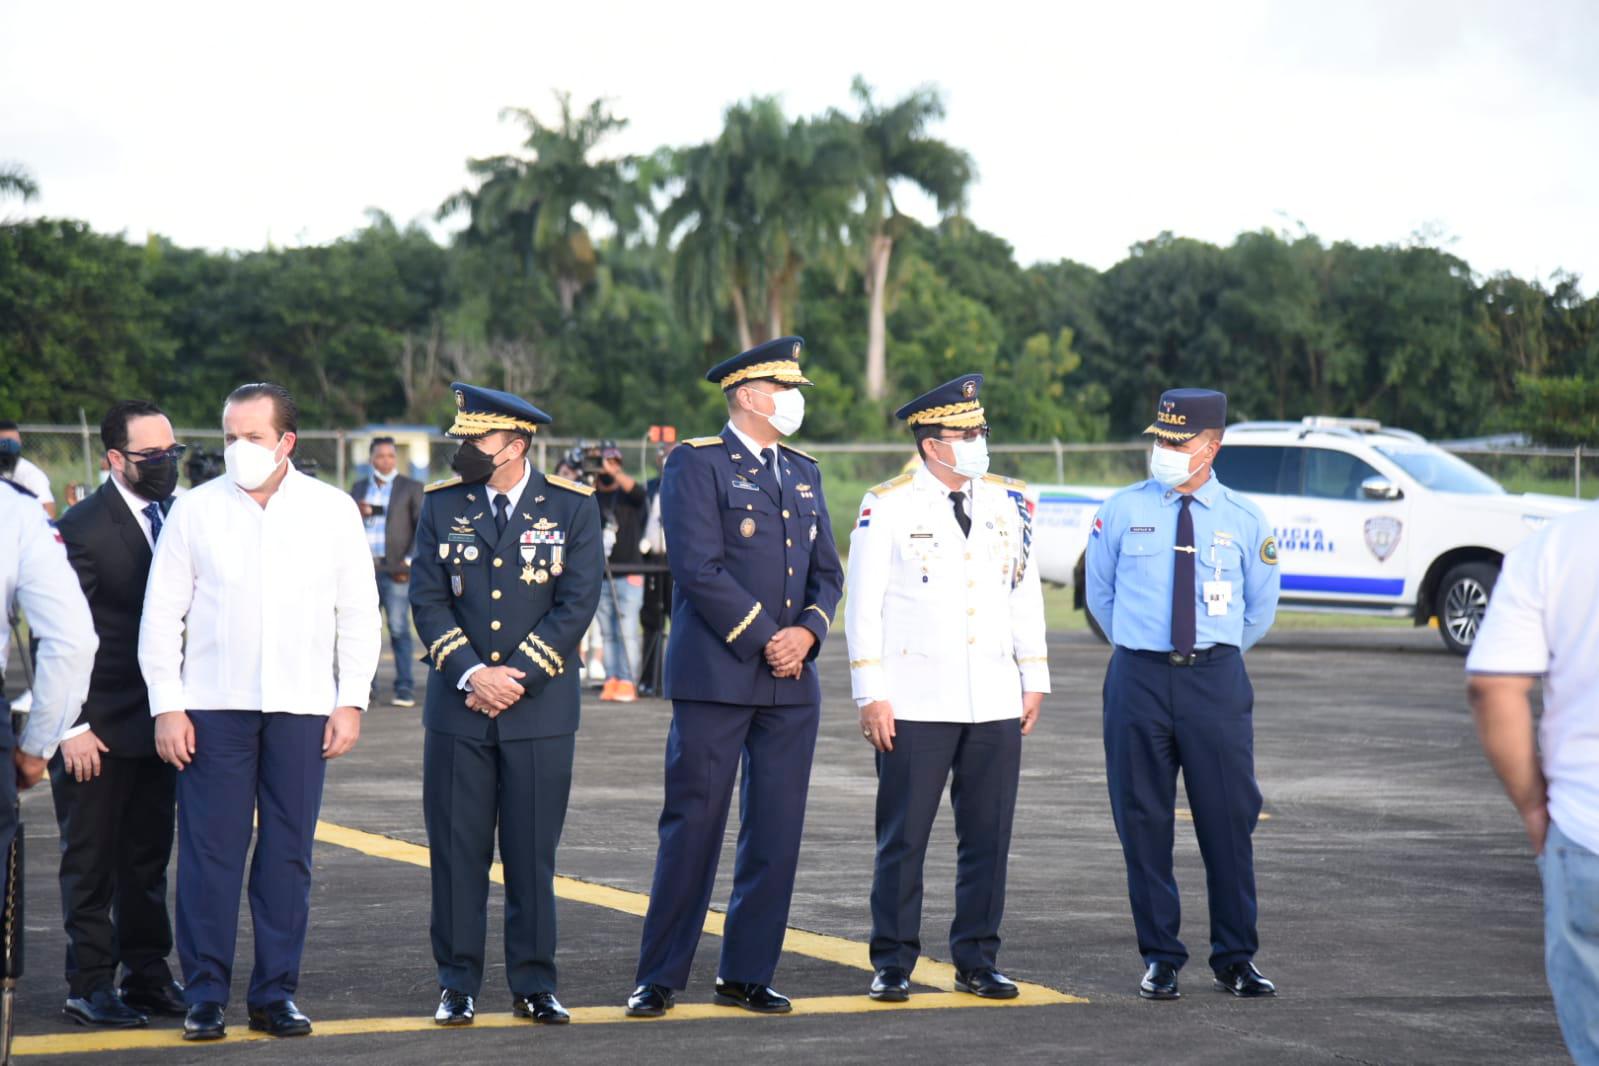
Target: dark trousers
[
  {"x": 469, "y": 786},
  {"x": 652, "y": 620},
  {"x": 116, "y": 840},
  {"x": 982, "y": 763},
  {"x": 247, "y": 763},
  {"x": 704, "y": 750},
  {"x": 1200, "y": 718}
]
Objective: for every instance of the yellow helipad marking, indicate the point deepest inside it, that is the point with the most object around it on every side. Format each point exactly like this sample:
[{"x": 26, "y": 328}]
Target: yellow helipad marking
[
  {"x": 929, "y": 972},
  {"x": 1186, "y": 815}
]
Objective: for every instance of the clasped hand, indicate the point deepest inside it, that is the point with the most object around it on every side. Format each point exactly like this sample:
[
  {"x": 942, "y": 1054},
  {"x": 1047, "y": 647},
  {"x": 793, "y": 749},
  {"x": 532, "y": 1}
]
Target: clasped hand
[
  {"x": 494, "y": 689},
  {"x": 786, "y": 651}
]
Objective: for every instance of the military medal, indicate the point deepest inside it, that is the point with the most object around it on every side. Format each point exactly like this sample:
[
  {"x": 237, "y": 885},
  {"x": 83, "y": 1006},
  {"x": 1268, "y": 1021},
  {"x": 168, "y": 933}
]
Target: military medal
[
  {"x": 470, "y": 553},
  {"x": 444, "y": 553},
  {"x": 556, "y": 566},
  {"x": 456, "y": 585},
  {"x": 747, "y": 527},
  {"x": 527, "y": 574},
  {"x": 542, "y": 576}
]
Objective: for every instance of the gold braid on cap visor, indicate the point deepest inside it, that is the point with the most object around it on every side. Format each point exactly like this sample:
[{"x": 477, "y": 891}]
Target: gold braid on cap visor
[
  {"x": 785, "y": 370},
  {"x": 1177, "y": 435},
  {"x": 477, "y": 423},
  {"x": 954, "y": 415}
]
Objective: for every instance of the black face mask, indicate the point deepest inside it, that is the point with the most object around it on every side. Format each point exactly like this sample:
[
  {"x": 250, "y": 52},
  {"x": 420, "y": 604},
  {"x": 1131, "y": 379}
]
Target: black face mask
[
  {"x": 10, "y": 452},
  {"x": 474, "y": 465},
  {"x": 157, "y": 478}
]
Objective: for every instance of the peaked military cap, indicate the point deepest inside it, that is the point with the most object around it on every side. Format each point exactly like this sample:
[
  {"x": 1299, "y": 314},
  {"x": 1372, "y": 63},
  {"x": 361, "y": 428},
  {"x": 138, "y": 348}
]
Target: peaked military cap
[
  {"x": 953, "y": 404},
  {"x": 776, "y": 360},
  {"x": 1184, "y": 414},
  {"x": 479, "y": 411}
]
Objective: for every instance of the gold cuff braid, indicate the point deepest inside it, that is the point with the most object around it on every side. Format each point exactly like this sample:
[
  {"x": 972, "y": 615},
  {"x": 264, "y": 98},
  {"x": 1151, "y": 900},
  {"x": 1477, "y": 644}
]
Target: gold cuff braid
[
  {"x": 531, "y": 652},
  {"x": 826, "y": 621},
  {"x": 544, "y": 646},
  {"x": 433, "y": 649},
  {"x": 449, "y": 649},
  {"x": 749, "y": 619}
]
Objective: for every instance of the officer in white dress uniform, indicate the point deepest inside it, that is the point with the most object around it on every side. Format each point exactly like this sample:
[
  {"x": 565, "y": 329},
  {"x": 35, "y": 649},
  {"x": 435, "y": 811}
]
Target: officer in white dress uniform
[{"x": 945, "y": 621}]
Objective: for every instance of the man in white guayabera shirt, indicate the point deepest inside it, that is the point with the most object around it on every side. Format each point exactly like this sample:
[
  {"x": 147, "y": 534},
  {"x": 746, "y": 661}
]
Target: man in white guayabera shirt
[
  {"x": 259, "y": 642},
  {"x": 1542, "y": 623}
]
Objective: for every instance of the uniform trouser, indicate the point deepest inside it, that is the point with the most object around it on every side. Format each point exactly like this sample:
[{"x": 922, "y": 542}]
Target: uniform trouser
[
  {"x": 704, "y": 749},
  {"x": 116, "y": 841},
  {"x": 1199, "y": 718},
  {"x": 985, "y": 761},
  {"x": 467, "y": 787},
  {"x": 247, "y": 763}
]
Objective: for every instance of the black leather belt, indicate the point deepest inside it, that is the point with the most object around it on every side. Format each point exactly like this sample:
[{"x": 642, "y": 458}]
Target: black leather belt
[{"x": 1171, "y": 658}]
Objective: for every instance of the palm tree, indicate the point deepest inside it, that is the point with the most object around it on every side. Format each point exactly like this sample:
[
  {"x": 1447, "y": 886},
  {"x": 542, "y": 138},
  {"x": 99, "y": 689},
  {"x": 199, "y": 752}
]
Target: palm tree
[
  {"x": 15, "y": 181},
  {"x": 750, "y": 210},
  {"x": 533, "y": 200},
  {"x": 894, "y": 147}
]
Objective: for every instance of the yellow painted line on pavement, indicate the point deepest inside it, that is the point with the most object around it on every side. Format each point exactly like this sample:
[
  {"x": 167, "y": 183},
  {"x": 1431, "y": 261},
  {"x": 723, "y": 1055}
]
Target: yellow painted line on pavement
[
  {"x": 1186, "y": 815},
  {"x": 929, "y": 972}
]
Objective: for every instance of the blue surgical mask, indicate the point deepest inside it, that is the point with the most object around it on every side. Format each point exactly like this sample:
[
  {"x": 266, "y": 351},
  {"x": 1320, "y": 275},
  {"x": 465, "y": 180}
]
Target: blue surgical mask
[{"x": 1170, "y": 466}]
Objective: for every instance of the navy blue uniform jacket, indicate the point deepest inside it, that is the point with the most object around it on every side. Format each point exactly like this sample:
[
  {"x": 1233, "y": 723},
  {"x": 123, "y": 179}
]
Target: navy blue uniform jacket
[
  {"x": 745, "y": 563},
  {"x": 475, "y": 600}
]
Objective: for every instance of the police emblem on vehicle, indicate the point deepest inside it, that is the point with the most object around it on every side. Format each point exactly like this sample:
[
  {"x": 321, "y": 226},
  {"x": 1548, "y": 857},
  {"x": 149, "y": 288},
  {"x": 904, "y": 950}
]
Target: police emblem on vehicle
[{"x": 1382, "y": 536}]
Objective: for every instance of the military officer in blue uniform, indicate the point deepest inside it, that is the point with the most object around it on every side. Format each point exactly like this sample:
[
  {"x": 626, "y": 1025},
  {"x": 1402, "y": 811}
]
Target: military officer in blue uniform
[
  {"x": 756, "y": 580},
  {"x": 505, "y": 582},
  {"x": 1182, "y": 576}
]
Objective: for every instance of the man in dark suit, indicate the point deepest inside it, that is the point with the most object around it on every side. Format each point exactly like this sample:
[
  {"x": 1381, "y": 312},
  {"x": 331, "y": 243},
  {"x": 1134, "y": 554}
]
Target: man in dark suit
[
  {"x": 391, "y": 506},
  {"x": 507, "y": 578},
  {"x": 757, "y": 579},
  {"x": 113, "y": 795}
]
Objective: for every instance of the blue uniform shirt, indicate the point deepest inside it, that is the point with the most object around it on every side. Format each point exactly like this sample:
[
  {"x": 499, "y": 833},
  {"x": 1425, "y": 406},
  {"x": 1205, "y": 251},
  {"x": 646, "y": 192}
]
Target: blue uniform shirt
[{"x": 1130, "y": 564}]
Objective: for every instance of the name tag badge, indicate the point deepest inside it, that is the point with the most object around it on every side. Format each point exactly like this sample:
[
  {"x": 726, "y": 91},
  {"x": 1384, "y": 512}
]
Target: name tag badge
[
  {"x": 747, "y": 486},
  {"x": 1218, "y": 596}
]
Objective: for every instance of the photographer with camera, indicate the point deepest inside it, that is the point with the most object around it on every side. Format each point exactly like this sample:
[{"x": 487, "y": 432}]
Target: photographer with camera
[
  {"x": 623, "y": 507},
  {"x": 391, "y": 507}
]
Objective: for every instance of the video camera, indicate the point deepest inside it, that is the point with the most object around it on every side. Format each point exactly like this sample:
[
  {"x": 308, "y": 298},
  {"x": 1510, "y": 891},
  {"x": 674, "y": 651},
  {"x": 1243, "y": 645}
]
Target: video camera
[
  {"x": 202, "y": 466},
  {"x": 591, "y": 467}
]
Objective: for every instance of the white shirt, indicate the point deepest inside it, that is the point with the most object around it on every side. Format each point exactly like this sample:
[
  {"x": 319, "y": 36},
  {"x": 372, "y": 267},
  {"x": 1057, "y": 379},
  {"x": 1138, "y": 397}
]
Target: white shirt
[
  {"x": 936, "y": 622},
  {"x": 1541, "y": 621},
  {"x": 35, "y": 575},
  {"x": 34, "y": 480},
  {"x": 270, "y": 609},
  {"x": 137, "y": 504},
  {"x": 515, "y": 497},
  {"x": 755, "y": 450}
]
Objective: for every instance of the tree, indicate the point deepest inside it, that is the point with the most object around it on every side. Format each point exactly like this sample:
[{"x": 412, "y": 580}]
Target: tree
[
  {"x": 15, "y": 181},
  {"x": 533, "y": 201},
  {"x": 894, "y": 148}
]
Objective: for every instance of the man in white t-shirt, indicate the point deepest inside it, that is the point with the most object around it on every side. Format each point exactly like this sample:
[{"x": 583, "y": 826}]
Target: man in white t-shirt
[
  {"x": 1542, "y": 623},
  {"x": 24, "y": 473}
]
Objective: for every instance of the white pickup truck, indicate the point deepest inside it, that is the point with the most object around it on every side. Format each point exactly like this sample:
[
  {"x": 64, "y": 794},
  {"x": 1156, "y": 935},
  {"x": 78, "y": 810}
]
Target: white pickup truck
[{"x": 1368, "y": 519}]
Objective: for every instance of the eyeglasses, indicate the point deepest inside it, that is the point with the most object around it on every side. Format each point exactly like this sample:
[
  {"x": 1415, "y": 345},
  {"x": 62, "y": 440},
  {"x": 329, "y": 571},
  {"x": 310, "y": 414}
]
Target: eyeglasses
[
  {"x": 975, "y": 433},
  {"x": 156, "y": 455}
]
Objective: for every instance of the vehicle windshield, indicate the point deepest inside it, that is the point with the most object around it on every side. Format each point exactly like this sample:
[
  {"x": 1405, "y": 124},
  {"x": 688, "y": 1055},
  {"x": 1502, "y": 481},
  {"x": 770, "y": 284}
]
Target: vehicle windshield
[{"x": 1436, "y": 469}]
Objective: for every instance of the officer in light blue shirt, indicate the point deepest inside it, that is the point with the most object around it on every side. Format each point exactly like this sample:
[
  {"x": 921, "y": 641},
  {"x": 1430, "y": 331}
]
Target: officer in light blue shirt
[{"x": 1182, "y": 577}]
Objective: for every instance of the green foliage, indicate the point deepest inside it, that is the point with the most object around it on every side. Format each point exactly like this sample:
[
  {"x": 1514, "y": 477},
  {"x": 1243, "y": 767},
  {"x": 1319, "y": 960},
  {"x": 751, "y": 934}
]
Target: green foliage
[{"x": 1561, "y": 411}]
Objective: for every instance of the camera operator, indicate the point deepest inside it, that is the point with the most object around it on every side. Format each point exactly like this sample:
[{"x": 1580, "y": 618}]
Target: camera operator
[
  {"x": 202, "y": 466},
  {"x": 623, "y": 506},
  {"x": 657, "y": 584}
]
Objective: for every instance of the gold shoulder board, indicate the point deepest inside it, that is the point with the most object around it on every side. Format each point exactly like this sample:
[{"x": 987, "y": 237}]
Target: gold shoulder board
[
  {"x": 1008, "y": 482},
  {"x": 570, "y": 486},
  {"x": 796, "y": 451},
  {"x": 446, "y": 483},
  {"x": 891, "y": 484},
  {"x": 703, "y": 442}
]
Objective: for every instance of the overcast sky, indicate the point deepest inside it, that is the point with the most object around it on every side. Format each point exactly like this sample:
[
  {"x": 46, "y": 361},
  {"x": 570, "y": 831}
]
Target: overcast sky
[{"x": 1093, "y": 125}]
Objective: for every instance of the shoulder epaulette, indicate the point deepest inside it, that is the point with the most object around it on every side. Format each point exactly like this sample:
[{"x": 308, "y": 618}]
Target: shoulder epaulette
[
  {"x": 703, "y": 442},
  {"x": 891, "y": 484},
  {"x": 786, "y": 445},
  {"x": 570, "y": 486},
  {"x": 446, "y": 483},
  {"x": 1008, "y": 482}
]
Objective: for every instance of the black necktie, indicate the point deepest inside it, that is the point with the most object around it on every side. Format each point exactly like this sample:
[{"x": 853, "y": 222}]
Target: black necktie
[
  {"x": 153, "y": 513},
  {"x": 1183, "y": 594},
  {"x": 959, "y": 500},
  {"x": 502, "y": 505}
]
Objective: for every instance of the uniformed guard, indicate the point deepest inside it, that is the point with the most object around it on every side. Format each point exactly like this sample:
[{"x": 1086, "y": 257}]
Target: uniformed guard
[
  {"x": 1182, "y": 591},
  {"x": 947, "y": 664},
  {"x": 34, "y": 575},
  {"x": 756, "y": 578},
  {"x": 505, "y": 582}
]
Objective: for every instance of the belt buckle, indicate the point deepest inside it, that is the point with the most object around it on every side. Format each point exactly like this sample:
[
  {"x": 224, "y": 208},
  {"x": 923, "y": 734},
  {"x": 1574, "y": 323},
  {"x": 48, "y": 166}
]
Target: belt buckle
[{"x": 1181, "y": 660}]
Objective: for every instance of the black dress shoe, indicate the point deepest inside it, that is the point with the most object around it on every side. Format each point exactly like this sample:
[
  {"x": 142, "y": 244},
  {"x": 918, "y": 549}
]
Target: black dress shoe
[
  {"x": 542, "y": 1007},
  {"x": 282, "y": 1018},
  {"x": 455, "y": 1008},
  {"x": 989, "y": 984},
  {"x": 155, "y": 997},
  {"x": 650, "y": 1001},
  {"x": 762, "y": 999},
  {"x": 1244, "y": 981},
  {"x": 105, "y": 1009},
  {"x": 204, "y": 1022},
  {"x": 1160, "y": 982},
  {"x": 891, "y": 984}
]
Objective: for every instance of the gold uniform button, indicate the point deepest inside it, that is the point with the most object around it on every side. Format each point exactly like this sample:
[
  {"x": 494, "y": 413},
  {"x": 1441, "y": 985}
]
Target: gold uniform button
[
  {"x": 785, "y": 514},
  {"x": 791, "y": 571},
  {"x": 749, "y": 507},
  {"x": 495, "y": 656},
  {"x": 496, "y": 594},
  {"x": 495, "y": 625},
  {"x": 788, "y": 541},
  {"x": 968, "y": 556},
  {"x": 969, "y": 610},
  {"x": 499, "y": 562},
  {"x": 788, "y": 603},
  {"x": 971, "y": 584},
  {"x": 971, "y": 640}
]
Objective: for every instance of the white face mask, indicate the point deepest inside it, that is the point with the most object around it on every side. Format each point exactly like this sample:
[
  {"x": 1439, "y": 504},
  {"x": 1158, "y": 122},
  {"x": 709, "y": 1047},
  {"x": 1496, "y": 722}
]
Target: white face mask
[
  {"x": 971, "y": 457},
  {"x": 788, "y": 411},
  {"x": 1170, "y": 466},
  {"x": 249, "y": 464},
  {"x": 384, "y": 479}
]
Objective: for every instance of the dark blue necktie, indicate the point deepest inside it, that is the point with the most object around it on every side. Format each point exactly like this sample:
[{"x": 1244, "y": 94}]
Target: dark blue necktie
[
  {"x": 502, "y": 504},
  {"x": 1183, "y": 593},
  {"x": 153, "y": 513}
]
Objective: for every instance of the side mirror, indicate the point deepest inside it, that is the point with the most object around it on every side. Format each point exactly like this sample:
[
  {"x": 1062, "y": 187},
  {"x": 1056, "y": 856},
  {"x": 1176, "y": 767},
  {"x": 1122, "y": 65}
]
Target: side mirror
[{"x": 1380, "y": 488}]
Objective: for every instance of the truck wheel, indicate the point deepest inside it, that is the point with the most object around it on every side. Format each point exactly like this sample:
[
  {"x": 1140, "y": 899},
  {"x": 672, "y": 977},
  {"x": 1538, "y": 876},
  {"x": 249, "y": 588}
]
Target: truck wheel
[{"x": 1462, "y": 598}]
